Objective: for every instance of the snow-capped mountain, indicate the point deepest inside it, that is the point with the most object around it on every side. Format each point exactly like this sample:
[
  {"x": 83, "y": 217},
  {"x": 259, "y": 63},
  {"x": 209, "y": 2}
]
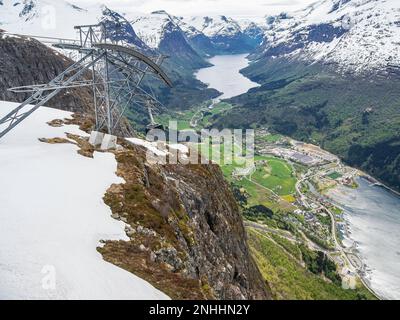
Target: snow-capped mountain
[
  {"x": 354, "y": 35},
  {"x": 206, "y": 35},
  {"x": 253, "y": 30},
  {"x": 120, "y": 29},
  {"x": 152, "y": 28},
  {"x": 159, "y": 30},
  {"x": 45, "y": 17},
  {"x": 57, "y": 19},
  {"x": 213, "y": 26},
  {"x": 226, "y": 33}
]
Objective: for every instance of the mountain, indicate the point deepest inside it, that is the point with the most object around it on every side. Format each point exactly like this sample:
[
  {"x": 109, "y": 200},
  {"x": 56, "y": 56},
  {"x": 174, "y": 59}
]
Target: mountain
[
  {"x": 31, "y": 17},
  {"x": 226, "y": 34},
  {"x": 26, "y": 61},
  {"x": 329, "y": 75},
  {"x": 197, "y": 39},
  {"x": 350, "y": 35},
  {"x": 45, "y": 18},
  {"x": 254, "y": 31},
  {"x": 120, "y": 29},
  {"x": 159, "y": 31},
  {"x": 57, "y": 19}
]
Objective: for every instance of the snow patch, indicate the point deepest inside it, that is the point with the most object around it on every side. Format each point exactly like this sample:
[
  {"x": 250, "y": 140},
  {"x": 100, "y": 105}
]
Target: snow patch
[
  {"x": 370, "y": 39},
  {"x": 53, "y": 217}
]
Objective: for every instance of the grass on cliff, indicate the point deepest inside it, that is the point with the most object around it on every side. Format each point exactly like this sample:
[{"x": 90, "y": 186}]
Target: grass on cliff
[{"x": 288, "y": 279}]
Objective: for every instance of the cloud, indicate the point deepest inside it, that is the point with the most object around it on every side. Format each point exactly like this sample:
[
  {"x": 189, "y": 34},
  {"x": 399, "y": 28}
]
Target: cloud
[{"x": 203, "y": 7}]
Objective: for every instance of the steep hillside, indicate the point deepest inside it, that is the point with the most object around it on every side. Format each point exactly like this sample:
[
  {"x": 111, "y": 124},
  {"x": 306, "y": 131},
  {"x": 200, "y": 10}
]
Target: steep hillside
[
  {"x": 26, "y": 61},
  {"x": 120, "y": 29},
  {"x": 197, "y": 39},
  {"x": 187, "y": 235},
  {"x": 159, "y": 31}
]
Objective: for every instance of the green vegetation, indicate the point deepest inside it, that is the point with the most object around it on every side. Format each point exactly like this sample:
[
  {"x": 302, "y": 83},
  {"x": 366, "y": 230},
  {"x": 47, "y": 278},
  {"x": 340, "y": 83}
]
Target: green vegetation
[
  {"x": 288, "y": 245},
  {"x": 258, "y": 211},
  {"x": 209, "y": 115},
  {"x": 182, "y": 118},
  {"x": 355, "y": 118},
  {"x": 322, "y": 243},
  {"x": 288, "y": 279},
  {"x": 324, "y": 219},
  {"x": 319, "y": 263},
  {"x": 272, "y": 177},
  {"x": 334, "y": 175},
  {"x": 276, "y": 175},
  {"x": 271, "y": 138},
  {"x": 198, "y": 111},
  {"x": 336, "y": 210}
]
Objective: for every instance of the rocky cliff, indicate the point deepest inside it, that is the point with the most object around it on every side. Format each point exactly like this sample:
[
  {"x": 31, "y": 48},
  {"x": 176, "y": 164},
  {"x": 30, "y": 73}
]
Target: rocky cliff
[{"x": 187, "y": 235}]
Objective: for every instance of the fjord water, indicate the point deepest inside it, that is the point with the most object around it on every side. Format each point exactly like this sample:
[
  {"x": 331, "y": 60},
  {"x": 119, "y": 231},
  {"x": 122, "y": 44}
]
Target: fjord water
[
  {"x": 373, "y": 215},
  {"x": 224, "y": 75}
]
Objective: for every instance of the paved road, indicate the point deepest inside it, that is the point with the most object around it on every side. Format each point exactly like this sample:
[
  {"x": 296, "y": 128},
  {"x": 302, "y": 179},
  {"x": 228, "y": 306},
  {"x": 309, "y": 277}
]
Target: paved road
[{"x": 351, "y": 260}]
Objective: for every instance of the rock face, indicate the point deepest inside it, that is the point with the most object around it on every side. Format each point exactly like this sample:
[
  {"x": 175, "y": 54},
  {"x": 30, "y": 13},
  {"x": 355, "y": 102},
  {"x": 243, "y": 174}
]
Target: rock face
[
  {"x": 221, "y": 253},
  {"x": 186, "y": 231},
  {"x": 25, "y": 61}
]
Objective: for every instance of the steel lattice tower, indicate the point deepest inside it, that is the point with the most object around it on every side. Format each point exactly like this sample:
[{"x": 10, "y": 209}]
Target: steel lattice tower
[{"x": 113, "y": 70}]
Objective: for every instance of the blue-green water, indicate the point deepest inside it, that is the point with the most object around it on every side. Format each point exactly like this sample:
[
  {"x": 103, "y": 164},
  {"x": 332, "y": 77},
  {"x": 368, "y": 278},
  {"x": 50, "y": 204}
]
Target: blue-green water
[{"x": 373, "y": 215}]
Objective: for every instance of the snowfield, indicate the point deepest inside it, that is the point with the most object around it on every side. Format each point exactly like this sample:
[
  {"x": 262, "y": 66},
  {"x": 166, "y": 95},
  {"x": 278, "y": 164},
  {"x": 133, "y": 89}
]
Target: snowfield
[
  {"x": 45, "y": 17},
  {"x": 213, "y": 26},
  {"x": 370, "y": 39},
  {"x": 53, "y": 217},
  {"x": 152, "y": 27}
]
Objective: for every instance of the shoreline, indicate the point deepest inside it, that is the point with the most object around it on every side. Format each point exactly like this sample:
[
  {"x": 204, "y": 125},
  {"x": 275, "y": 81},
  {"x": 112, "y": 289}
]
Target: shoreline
[
  {"x": 349, "y": 244},
  {"x": 377, "y": 182}
]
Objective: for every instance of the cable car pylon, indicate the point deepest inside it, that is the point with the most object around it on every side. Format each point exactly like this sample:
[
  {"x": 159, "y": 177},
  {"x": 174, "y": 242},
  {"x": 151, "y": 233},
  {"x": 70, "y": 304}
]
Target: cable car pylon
[{"x": 114, "y": 72}]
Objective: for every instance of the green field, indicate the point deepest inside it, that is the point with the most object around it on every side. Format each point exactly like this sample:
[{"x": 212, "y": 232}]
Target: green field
[
  {"x": 276, "y": 175},
  {"x": 271, "y": 138},
  {"x": 334, "y": 175}
]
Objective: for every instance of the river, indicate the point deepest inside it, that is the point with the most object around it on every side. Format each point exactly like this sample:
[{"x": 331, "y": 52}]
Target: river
[
  {"x": 373, "y": 216},
  {"x": 224, "y": 75}
]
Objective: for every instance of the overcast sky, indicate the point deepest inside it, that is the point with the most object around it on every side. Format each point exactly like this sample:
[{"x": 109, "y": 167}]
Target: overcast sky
[{"x": 202, "y": 7}]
